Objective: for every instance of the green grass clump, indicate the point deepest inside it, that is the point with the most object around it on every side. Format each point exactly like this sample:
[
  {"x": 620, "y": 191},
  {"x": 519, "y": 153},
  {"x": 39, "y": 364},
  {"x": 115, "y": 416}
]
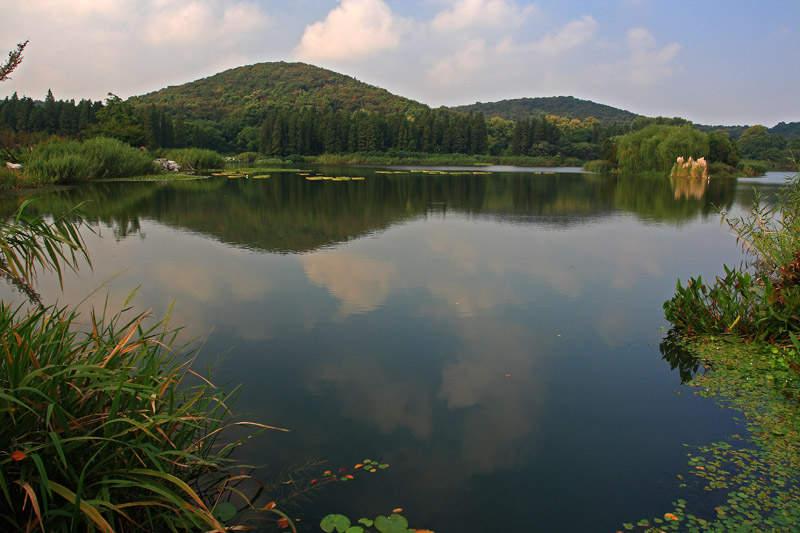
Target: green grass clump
[
  {"x": 101, "y": 428},
  {"x": 752, "y": 167},
  {"x": 103, "y": 425},
  {"x": 69, "y": 161},
  {"x": 198, "y": 159}
]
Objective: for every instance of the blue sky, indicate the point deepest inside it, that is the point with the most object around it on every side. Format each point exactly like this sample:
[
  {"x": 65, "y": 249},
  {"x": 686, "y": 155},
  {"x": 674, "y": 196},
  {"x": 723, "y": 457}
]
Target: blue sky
[{"x": 710, "y": 61}]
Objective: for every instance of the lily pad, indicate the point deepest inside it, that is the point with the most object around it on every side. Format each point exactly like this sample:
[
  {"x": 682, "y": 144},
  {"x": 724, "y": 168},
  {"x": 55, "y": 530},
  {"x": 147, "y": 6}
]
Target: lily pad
[
  {"x": 392, "y": 524},
  {"x": 337, "y": 522}
]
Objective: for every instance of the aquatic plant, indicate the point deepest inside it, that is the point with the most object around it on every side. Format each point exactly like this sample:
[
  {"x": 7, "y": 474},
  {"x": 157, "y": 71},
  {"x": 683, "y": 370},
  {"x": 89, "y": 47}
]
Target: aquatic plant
[
  {"x": 760, "y": 301},
  {"x": 393, "y": 523},
  {"x": 103, "y": 424},
  {"x": 691, "y": 168},
  {"x": 740, "y": 483}
]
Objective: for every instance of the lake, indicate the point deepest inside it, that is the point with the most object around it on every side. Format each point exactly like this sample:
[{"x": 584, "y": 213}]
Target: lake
[{"x": 492, "y": 334}]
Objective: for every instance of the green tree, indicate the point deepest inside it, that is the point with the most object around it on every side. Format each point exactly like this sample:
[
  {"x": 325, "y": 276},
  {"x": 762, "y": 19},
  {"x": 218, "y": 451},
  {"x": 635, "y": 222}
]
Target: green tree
[
  {"x": 655, "y": 147},
  {"x": 721, "y": 150},
  {"x": 118, "y": 119}
]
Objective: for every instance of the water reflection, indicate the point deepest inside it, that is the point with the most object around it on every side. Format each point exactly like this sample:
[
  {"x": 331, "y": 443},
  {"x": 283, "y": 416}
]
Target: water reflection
[
  {"x": 493, "y": 337},
  {"x": 288, "y": 214},
  {"x": 673, "y": 351}
]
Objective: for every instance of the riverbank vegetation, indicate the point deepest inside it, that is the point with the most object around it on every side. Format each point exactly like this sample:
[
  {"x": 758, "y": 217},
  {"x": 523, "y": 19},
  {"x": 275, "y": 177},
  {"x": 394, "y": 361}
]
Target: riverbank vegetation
[
  {"x": 105, "y": 426},
  {"x": 744, "y": 331}
]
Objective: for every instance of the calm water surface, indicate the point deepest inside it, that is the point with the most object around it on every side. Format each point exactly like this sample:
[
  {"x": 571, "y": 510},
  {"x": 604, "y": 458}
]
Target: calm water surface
[{"x": 494, "y": 337}]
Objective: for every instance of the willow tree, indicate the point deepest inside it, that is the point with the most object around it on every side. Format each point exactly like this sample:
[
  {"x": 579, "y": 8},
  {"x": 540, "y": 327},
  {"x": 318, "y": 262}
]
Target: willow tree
[{"x": 656, "y": 147}]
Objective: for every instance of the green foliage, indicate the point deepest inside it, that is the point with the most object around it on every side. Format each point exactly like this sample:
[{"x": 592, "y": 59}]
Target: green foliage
[
  {"x": 763, "y": 303},
  {"x": 394, "y": 523},
  {"x": 105, "y": 428},
  {"x": 249, "y": 157},
  {"x": 248, "y": 91},
  {"x": 13, "y": 61},
  {"x": 721, "y": 149},
  {"x": 119, "y": 120},
  {"x": 68, "y": 161},
  {"x": 751, "y": 480},
  {"x": 564, "y": 106},
  {"x": 753, "y": 168},
  {"x": 757, "y": 143},
  {"x": 656, "y": 147},
  {"x": 102, "y": 426},
  {"x": 29, "y": 244},
  {"x": 198, "y": 159},
  {"x": 598, "y": 165}
]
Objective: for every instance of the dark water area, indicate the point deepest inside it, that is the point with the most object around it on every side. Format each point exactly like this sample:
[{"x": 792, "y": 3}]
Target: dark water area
[{"x": 492, "y": 334}]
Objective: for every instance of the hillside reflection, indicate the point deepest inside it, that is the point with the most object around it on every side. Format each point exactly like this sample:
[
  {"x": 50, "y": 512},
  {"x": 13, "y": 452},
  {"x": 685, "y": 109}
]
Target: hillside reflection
[{"x": 289, "y": 214}]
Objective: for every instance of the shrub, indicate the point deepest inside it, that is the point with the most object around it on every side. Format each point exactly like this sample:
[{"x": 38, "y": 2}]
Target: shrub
[
  {"x": 598, "y": 165},
  {"x": 762, "y": 302},
  {"x": 753, "y": 168},
  {"x": 250, "y": 157},
  {"x": 198, "y": 159},
  {"x": 69, "y": 161}
]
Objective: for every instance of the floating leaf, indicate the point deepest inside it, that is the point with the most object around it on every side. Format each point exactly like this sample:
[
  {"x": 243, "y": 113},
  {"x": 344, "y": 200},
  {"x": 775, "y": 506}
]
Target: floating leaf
[
  {"x": 335, "y": 522},
  {"x": 224, "y": 511},
  {"x": 366, "y": 521},
  {"x": 392, "y": 524}
]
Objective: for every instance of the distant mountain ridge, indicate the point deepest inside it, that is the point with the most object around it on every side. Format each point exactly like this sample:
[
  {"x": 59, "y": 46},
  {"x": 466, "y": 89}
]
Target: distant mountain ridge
[
  {"x": 563, "y": 106},
  {"x": 249, "y": 90}
]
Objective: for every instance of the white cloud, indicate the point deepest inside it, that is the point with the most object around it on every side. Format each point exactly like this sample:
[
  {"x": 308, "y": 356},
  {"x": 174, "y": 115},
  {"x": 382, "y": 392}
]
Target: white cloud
[
  {"x": 353, "y": 30},
  {"x": 646, "y": 63},
  {"x": 457, "y": 68},
  {"x": 575, "y": 34},
  {"x": 129, "y": 47},
  {"x": 483, "y": 13},
  {"x": 181, "y": 22},
  {"x": 505, "y": 57}
]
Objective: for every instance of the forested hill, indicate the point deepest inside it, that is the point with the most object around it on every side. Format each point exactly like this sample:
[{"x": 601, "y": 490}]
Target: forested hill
[
  {"x": 562, "y": 106},
  {"x": 251, "y": 89}
]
